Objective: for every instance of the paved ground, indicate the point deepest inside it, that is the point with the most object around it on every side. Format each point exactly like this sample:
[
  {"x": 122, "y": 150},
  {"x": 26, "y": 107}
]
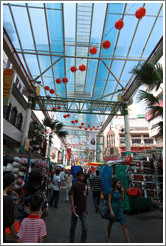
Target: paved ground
[{"x": 144, "y": 228}]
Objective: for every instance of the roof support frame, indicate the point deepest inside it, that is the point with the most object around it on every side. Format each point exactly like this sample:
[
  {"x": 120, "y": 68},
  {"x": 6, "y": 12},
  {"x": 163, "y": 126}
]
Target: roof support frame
[{"x": 64, "y": 44}]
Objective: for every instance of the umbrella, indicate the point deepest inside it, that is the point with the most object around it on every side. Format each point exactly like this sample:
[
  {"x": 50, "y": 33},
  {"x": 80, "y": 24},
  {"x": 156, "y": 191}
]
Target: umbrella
[
  {"x": 68, "y": 167},
  {"x": 94, "y": 163}
]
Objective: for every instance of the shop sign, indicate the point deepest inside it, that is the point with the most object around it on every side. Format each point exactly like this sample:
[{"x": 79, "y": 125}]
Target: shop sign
[
  {"x": 60, "y": 156},
  {"x": 8, "y": 75},
  {"x": 26, "y": 144}
]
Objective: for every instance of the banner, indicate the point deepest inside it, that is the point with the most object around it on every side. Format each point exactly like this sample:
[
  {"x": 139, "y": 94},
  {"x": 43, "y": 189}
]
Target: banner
[
  {"x": 8, "y": 75},
  {"x": 68, "y": 154},
  {"x": 92, "y": 141}
]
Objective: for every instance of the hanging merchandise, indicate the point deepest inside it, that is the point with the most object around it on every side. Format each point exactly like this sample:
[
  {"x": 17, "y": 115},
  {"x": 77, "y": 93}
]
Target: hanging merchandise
[
  {"x": 140, "y": 13},
  {"x": 58, "y": 81},
  {"x": 73, "y": 69},
  {"x": 52, "y": 91},
  {"x": 47, "y": 88},
  {"x": 82, "y": 67},
  {"x": 65, "y": 80},
  {"x": 93, "y": 50},
  {"x": 119, "y": 24},
  {"x": 128, "y": 159},
  {"x": 106, "y": 44}
]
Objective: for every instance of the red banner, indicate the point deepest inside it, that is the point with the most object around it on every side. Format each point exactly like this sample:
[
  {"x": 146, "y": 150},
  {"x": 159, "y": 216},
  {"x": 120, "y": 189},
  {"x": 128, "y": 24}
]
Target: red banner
[{"x": 68, "y": 154}]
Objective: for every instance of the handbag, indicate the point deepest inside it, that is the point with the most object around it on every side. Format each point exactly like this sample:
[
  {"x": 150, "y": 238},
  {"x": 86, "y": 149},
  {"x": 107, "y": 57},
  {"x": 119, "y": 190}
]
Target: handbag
[{"x": 104, "y": 209}]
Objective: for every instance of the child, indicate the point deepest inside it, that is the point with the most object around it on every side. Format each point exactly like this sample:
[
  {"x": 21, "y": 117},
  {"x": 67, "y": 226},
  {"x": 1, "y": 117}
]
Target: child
[
  {"x": 78, "y": 198},
  {"x": 33, "y": 229}
]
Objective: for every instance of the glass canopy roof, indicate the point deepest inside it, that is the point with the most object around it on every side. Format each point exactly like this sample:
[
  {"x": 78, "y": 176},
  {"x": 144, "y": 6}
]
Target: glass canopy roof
[{"x": 59, "y": 36}]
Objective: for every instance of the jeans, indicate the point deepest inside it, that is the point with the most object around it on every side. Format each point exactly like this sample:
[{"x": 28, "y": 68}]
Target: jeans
[
  {"x": 56, "y": 197},
  {"x": 96, "y": 198},
  {"x": 83, "y": 218},
  {"x": 49, "y": 195}
]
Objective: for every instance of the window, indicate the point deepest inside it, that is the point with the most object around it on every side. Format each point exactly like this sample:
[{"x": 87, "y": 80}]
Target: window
[
  {"x": 6, "y": 111},
  {"x": 13, "y": 116},
  {"x": 19, "y": 121},
  {"x": 148, "y": 141},
  {"x": 8, "y": 64},
  {"x": 136, "y": 141}
]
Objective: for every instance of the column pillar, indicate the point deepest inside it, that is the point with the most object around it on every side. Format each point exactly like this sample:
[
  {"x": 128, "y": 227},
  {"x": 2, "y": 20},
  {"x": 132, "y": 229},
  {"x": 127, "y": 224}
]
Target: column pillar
[
  {"x": 101, "y": 146},
  {"x": 26, "y": 123},
  {"x": 127, "y": 130}
]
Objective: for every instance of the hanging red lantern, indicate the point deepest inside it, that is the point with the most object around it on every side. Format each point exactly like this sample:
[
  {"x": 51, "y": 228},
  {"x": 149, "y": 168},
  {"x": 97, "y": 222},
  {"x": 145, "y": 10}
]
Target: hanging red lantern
[
  {"x": 82, "y": 68},
  {"x": 93, "y": 50},
  {"x": 106, "y": 44},
  {"x": 80, "y": 127},
  {"x": 82, "y": 124},
  {"x": 87, "y": 138},
  {"x": 48, "y": 96},
  {"x": 72, "y": 121},
  {"x": 88, "y": 125},
  {"x": 140, "y": 13},
  {"x": 53, "y": 108},
  {"x": 68, "y": 115},
  {"x": 73, "y": 69},
  {"x": 65, "y": 80},
  {"x": 58, "y": 81},
  {"x": 76, "y": 121},
  {"x": 93, "y": 126},
  {"x": 119, "y": 24},
  {"x": 64, "y": 116},
  {"x": 59, "y": 107},
  {"x": 52, "y": 91},
  {"x": 91, "y": 129},
  {"x": 47, "y": 88},
  {"x": 86, "y": 129},
  {"x": 97, "y": 126}
]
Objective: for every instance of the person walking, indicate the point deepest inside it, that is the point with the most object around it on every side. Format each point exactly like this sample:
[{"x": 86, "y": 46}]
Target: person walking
[
  {"x": 62, "y": 177},
  {"x": 97, "y": 188},
  {"x": 33, "y": 229},
  {"x": 78, "y": 197},
  {"x": 69, "y": 179},
  {"x": 56, "y": 189},
  {"x": 8, "y": 207},
  {"x": 116, "y": 212}
]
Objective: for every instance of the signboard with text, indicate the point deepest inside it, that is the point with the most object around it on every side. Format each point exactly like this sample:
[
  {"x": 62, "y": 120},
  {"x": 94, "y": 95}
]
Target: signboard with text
[{"x": 8, "y": 75}]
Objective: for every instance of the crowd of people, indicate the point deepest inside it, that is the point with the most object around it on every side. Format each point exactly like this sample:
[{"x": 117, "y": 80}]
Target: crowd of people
[{"x": 40, "y": 193}]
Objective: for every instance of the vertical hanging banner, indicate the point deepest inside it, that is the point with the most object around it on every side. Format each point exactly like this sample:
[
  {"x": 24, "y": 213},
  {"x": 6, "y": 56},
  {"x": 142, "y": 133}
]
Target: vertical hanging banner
[
  {"x": 8, "y": 75},
  {"x": 68, "y": 155},
  {"x": 92, "y": 141}
]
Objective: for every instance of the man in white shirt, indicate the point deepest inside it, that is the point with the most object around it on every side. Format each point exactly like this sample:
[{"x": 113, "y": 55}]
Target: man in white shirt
[
  {"x": 69, "y": 179},
  {"x": 56, "y": 189},
  {"x": 62, "y": 176}
]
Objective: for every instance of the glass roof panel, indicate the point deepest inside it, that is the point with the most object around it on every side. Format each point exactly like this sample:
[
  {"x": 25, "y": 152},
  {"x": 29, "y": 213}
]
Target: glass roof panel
[
  {"x": 117, "y": 68},
  {"x": 9, "y": 26},
  {"x": 153, "y": 8},
  {"x": 33, "y": 65},
  {"x": 36, "y": 5},
  {"x": 132, "y": 7},
  {"x": 54, "y": 5},
  {"x": 70, "y": 21},
  {"x": 41, "y": 37},
  {"x": 115, "y": 8},
  {"x": 127, "y": 71}
]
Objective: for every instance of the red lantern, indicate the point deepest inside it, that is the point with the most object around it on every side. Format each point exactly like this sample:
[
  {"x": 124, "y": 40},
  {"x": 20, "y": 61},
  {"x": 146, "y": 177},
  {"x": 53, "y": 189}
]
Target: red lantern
[
  {"x": 76, "y": 121},
  {"x": 106, "y": 44},
  {"x": 82, "y": 124},
  {"x": 48, "y": 96},
  {"x": 87, "y": 138},
  {"x": 59, "y": 107},
  {"x": 140, "y": 13},
  {"x": 68, "y": 115},
  {"x": 91, "y": 129},
  {"x": 88, "y": 125},
  {"x": 65, "y": 80},
  {"x": 64, "y": 116},
  {"x": 72, "y": 121},
  {"x": 93, "y": 126},
  {"x": 86, "y": 129},
  {"x": 82, "y": 68},
  {"x": 52, "y": 91},
  {"x": 119, "y": 24},
  {"x": 47, "y": 88},
  {"x": 80, "y": 127},
  {"x": 58, "y": 81},
  {"x": 97, "y": 126},
  {"x": 53, "y": 108},
  {"x": 93, "y": 50},
  {"x": 73, "y": 69}
]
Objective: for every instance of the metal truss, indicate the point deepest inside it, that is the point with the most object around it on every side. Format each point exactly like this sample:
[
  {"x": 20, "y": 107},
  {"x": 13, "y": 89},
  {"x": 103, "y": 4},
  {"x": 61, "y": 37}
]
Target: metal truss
[{"x": 73, "y": 105}]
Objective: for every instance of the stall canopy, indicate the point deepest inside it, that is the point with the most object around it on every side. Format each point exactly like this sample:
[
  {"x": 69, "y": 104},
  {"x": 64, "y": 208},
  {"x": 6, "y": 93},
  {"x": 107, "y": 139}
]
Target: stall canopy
[{"x": 52, "y": 40}]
